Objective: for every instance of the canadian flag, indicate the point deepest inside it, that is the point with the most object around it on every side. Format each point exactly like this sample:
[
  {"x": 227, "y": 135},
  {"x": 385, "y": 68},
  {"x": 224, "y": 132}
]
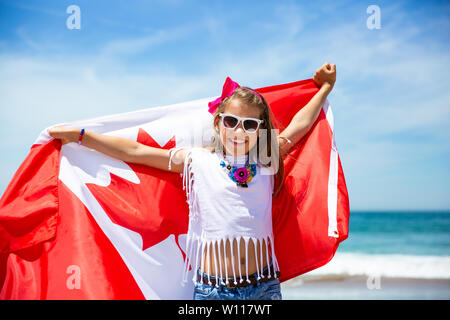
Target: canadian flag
[{"x": 77, "y": 224}]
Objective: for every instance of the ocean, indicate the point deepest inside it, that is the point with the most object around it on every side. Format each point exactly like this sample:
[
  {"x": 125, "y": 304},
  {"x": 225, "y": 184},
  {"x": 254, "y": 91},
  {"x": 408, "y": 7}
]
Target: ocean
[{"x": 407, "y": 252}]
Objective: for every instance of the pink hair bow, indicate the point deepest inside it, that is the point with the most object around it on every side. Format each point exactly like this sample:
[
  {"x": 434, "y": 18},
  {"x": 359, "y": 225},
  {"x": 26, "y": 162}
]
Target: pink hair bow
[{"x": 227, "y": 90}]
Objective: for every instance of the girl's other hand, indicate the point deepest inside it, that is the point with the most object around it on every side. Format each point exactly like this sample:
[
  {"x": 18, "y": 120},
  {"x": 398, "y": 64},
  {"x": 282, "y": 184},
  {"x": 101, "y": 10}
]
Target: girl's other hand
[
  {"x": 66, "y": 135},
  {"x": 326, "y": 74}
]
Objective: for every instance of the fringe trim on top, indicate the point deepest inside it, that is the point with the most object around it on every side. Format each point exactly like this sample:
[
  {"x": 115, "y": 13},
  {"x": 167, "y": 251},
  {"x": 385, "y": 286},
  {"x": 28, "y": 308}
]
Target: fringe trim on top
[
  {"x": 196, "y": 248},
  {"x": 188, "y": 179}
]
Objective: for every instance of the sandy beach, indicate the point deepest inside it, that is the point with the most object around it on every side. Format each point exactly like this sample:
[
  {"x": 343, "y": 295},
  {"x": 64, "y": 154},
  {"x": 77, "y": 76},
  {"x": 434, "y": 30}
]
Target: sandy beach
[{"x": 363, "y": 288}]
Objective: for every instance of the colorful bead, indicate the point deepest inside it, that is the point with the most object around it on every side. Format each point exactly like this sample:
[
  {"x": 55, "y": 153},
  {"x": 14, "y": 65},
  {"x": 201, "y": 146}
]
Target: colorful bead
[{"x": 80, "y": 136}]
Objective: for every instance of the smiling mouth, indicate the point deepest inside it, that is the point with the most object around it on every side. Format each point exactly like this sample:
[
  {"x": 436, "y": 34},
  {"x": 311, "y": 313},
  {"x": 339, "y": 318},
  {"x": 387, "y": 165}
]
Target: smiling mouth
[{"x": 237, "y": 141}]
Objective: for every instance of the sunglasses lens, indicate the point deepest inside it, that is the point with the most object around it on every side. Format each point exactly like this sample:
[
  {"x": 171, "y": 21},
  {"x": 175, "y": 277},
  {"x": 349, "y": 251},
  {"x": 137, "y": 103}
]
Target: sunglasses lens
[
  {"x": 250, "y": 125},
  {"x": 230, "y": 122}
]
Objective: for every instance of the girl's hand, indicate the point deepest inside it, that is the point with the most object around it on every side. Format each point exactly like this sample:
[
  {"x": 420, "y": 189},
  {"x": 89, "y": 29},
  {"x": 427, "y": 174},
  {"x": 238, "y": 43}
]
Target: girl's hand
[
  {"x": 326, "y": 75},
  {"x": 66, "y": 135}
]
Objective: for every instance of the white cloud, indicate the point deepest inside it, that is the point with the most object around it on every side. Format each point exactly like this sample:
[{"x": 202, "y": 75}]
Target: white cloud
[{"x": 136, "y": 45}]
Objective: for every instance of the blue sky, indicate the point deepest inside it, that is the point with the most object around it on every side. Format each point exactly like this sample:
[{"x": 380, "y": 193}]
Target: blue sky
[{"x": 391, "y": 102}]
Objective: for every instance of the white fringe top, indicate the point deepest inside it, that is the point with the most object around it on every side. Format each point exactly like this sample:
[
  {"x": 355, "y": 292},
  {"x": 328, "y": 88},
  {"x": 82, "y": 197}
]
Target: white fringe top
[{"x": 221, "y": 211}]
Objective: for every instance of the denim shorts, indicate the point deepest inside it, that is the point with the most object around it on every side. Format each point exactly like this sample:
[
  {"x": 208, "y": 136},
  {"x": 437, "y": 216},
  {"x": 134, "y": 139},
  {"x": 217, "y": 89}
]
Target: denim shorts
[{"x": 269, "y": 290}]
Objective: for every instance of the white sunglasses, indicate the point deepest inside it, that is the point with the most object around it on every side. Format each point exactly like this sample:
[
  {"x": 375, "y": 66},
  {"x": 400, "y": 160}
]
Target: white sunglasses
[{"x": 230, "y": 121}]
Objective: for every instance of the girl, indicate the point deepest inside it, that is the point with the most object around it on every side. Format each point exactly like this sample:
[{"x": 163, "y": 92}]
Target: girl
[{"x": 230, "y": 238}]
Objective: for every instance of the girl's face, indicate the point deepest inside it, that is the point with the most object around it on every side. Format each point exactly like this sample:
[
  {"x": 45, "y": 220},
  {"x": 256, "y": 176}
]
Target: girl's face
[{"x": 236, "y": 141}]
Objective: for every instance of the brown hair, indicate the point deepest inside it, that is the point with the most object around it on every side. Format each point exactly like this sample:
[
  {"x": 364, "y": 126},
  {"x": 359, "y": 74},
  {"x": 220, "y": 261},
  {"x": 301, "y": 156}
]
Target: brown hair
[{"x": 249, "y": 98}]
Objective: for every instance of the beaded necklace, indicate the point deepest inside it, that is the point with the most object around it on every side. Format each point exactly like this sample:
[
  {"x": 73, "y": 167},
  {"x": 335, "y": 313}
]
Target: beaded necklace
[{"x": 240, "y": 175}]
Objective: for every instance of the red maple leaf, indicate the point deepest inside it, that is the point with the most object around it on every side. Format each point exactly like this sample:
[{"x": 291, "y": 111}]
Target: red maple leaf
[{"x": 155, "y": 208}]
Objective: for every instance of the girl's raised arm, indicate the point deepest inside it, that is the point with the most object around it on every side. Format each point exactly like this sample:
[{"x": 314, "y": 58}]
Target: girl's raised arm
[
  {"x": 303, "y": 120},
  {"x": 123, "y": 149}
]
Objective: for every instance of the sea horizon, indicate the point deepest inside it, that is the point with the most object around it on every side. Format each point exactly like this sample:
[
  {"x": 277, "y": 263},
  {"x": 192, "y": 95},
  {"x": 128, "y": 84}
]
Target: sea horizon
[{"x": 390, "y": 254}]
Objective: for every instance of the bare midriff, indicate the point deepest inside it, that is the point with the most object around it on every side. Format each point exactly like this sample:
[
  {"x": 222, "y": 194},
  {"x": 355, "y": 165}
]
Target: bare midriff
[{"x": 236, "y": 259}]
